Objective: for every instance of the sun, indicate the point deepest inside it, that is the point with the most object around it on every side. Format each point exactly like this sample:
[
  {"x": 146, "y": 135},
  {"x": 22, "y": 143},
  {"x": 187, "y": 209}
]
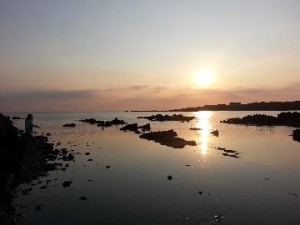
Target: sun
[{"x": 204, "y": 78}]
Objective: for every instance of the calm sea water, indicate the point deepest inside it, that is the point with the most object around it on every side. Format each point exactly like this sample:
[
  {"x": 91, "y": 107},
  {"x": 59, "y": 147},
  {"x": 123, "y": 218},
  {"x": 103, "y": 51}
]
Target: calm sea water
[{"x": 260, "y": 187}]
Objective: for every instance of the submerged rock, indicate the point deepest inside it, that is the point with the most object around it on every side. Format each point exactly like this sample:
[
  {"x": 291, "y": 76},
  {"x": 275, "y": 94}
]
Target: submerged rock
[
  {"x": 168, "y": 138},
  {"x": 69, "y": 125},
  {"x": 83, "y": 198},
  {"x": 66, "y": 183},
  {"x": 229, "y": 152}
]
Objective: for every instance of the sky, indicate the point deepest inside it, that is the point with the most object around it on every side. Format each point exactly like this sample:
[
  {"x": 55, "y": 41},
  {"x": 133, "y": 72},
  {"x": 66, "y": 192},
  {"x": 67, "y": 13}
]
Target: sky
[{"x": 94, "y": 55}]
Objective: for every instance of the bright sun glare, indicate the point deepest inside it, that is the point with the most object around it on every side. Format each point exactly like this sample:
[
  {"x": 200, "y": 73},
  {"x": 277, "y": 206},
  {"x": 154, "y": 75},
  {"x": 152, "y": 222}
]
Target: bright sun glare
[{"x": 204, "y": 78}]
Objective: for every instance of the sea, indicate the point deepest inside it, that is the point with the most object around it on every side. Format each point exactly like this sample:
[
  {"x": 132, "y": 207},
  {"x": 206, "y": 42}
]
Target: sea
[{"x": 125, "y": 179}]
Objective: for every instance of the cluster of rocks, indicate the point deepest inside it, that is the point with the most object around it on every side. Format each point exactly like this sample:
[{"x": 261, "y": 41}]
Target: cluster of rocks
[
  {"x": 168, "y": 138},
  {"x": 101, "y": 123},
  {"x": 291, "y": 119},
  {"x": 23, "y": 158},
  {"x": 283, "y": 119},
  {"x": 174, "y": 117},
  {"x": 12, "y": 151},
  {"x": 136, "y": 128}
]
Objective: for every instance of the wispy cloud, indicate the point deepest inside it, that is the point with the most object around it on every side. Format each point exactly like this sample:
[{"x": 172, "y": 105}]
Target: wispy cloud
[{"x": 138, "y": 97}]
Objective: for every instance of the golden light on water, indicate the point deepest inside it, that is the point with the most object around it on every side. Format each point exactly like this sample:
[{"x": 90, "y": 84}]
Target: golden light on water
[{"x": 203, "y": 122}]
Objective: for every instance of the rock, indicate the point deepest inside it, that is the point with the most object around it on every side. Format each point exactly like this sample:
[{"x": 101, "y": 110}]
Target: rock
[
  {"x": 83, "y": 198},
  {"x": 66, "y": 183},
  {"x": 229, "y": 152},
  {"x": 145, "y": 127},
  {"x": 17, "y": 118},
  {"x": 215, "y": 133},
  {"x": 174, "y": 117},
  {"x": 200, "y": 192},
  {"x": 170, "y": 177},
  {"x": 90, "y": 160},
  {"x": 38, "y": 208},
  {"x": 43, "y": 187},
  {"x": 107, "y": 167},
  {"x": 168, "y": 138},
  {"x": 69, "y": 125},
  {"x": 195, "y": 128},
  {"x": 283, "y": 119},
  {"x": 131, "y": 127},
  {"x": 87, "y": 153},
  {"x": 296, "y": 135}
]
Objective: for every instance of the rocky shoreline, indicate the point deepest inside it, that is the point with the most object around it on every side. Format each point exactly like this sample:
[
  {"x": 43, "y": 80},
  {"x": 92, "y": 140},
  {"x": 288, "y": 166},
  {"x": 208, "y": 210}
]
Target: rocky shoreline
[{"x": 22, "y": 160}]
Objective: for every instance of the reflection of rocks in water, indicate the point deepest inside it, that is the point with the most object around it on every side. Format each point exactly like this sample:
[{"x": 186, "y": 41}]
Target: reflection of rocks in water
[
  {"x": 174, "y": 117},
  {"x": 229, "y": 153},
  {"x": 296, "y": 135},
  {"x": 168, "y": 138}
]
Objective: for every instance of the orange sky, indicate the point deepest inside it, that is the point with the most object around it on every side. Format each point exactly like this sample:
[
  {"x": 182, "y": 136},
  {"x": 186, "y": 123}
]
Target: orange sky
[{"x": 112, "y": 55}]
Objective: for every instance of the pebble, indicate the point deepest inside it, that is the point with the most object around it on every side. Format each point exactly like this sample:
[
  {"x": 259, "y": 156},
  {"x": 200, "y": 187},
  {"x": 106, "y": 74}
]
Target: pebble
[{"x": 83, "y": 198}]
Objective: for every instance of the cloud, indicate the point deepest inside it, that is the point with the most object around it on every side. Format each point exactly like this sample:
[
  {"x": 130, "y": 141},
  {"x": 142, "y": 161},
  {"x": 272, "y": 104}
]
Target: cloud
[
  {"x": 138, "y": 97},
  {"x": 50, "y": 94}
]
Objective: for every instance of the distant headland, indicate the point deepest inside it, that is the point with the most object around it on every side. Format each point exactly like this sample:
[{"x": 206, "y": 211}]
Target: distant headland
[{"x": 237, "y": 106}]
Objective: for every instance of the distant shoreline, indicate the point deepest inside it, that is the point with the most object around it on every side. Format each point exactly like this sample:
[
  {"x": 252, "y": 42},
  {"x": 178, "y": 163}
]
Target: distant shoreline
[{"x": 237, "y": 106}]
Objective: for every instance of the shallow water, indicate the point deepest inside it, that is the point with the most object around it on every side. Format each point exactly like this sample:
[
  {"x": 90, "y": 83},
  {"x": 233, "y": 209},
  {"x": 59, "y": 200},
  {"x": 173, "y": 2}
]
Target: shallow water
[{"x": 260, "y": 187}]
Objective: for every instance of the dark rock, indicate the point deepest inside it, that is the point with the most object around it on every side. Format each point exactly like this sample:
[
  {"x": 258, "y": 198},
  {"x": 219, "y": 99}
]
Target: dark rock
[
  {"x": 200, "y": 192},
  {"x": 43, "y": 187},
  {"x": 48, "y": 134},
  {"x": 69, "y": 125},
  {"x": 107, "y": 167},
  {"x": 168, "y": 138},
  {"x": 131, "y": 127},
  {"x": 174, "y": 117},
  {"x": 90, "y": 160},
  {"x": 296, "y": 135},
  {"x": 66, "y": 183},
  {"x": 83, "y": 198},
  {"x": 17, "y": 118},
  {"x": 229, "y": 152},
  {"x": 283, "y": 119},
  {"x": 195, "y": 128},
  {"x": 145, "y": 127},
  {"x": 87, "y": 153},
  {"x": 187, "y": 165},
  {"x": 215, "y": 133},
  {"x": 38, "y": 208},
  {"x": 170, "y": 177}
]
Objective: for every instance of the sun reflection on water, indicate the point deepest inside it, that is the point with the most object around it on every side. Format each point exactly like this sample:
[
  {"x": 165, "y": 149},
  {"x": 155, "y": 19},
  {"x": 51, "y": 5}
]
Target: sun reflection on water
[{"x": 203, "y": 122}]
